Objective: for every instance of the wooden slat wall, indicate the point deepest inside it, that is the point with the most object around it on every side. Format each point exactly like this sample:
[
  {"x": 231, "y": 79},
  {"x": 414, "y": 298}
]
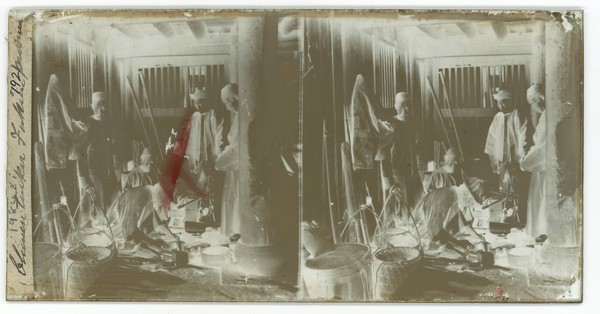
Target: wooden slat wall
[
  {"x": 384, "y": 72},
  {"x": 82, "y": 66},
  {"x": 169, "y": 86},
  {"x": 473, "y": 86}
]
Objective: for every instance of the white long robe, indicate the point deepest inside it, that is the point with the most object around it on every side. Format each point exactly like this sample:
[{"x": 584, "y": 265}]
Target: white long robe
[
  {"x": 535, "y": 162},
  {"x": 509, "y": 149},
  {"x": 228, "y": 161},
  {"x": 205, "y": 137}
]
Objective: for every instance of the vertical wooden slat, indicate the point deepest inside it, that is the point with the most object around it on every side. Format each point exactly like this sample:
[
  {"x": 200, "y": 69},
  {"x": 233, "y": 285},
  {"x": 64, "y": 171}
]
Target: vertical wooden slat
[
  {"x": 474, "y": 100},
  {"x": 494, "y": 79},
  {"x": 394, "y": 71},
  {"x": 157, "y": 87},
  {"x": 381, "y": 73},
  {"x": 172, "y": 92},
  {"x": 75, "y": 78},
  {"x": 210, "y": 79},
  {"x": 153, "y": 88},
  {"x": 174, "y": 88},
  {"x": 164, "y": 81},
  {"x": 518, "y": 79},
  {"x": 456, "y": 85},
  {"x": 86, "y": 75},
  {"x": 80, "y": 76},
  {"x": 384, "y": 72},
  {"x": 70, "y": 58},
  {"x": 509, "y": 80},
  {"x": 391, "y": 75},
  {"x": 378, "y": 68},
  {"x": 473, "y": 94},
  {"x": 478, "y": 99},
  {"x": 392, "y": 94},
  {"x": 449, "y": 74},
  {"x": 92, "y": 59},
  {"x": 406, "y": 74},
  {"x": 192, "y": 78},
  {"x": 165, "y": 71},
  {"x": 147, "y": 72},
  {"x": 410, "y": 72},
  {"x": 464, "y": 81},
  {"x": 462, "y": 71},
  {"x": 182, "y": 72},
  {"x": 151, "y": 77},
  {"x": 178, "y": 88},
  {"x": 513, "y": 76},
  {"x": 82, "y": 86},
  {"x": 522, "y": 84},
  {"x": 79, "y": 71}
]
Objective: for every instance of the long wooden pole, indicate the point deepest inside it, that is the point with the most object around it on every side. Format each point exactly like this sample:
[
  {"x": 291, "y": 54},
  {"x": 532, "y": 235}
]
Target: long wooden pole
[
  {"x": 439, "y": 111},
  {"x": 451, "y": 115},
  {"x": 147, "y": 102},
  {"x": 137, "y": 110},
  {"x": 333, "y": 217}
]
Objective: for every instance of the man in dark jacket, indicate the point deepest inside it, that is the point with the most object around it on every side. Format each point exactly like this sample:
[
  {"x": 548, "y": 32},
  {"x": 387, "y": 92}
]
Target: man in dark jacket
[{"x": 99, "y": 164}]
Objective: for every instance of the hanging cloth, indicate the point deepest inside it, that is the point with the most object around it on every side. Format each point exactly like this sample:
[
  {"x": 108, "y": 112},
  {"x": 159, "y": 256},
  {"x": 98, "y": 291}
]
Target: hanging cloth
[
  {"x": 364, "y": 125},
  {"x": 57, "y": 127}
]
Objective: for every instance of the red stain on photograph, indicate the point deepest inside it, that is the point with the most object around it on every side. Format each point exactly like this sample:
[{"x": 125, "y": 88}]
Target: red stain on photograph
[
  {"x": 172, "y": 168},
  {"x": 499, "y": 294}
]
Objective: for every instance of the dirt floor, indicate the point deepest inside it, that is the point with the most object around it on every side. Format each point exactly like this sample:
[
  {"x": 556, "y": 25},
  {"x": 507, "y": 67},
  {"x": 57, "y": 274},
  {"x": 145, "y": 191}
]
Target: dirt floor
[{"x": 186, "y": 284}]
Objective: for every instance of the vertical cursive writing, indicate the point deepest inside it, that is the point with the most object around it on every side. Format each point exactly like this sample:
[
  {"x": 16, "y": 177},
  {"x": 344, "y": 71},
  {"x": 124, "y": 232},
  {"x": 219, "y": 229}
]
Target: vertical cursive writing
[{"x": 18, "y": 171}]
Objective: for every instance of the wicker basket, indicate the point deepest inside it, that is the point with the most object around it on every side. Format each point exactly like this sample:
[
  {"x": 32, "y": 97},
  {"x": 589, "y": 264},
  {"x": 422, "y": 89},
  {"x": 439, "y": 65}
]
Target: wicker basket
[
  {"x": 393, "y": 266},
  {"x": 87, "y": 264}
]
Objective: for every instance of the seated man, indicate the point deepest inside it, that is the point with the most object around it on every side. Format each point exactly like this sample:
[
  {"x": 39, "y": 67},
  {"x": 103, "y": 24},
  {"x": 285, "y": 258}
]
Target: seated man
[
  {"x": 444, "y": 215},
  {"x": 445, "y": 175},
  {"x": 138, "y": 215},
  {"x": 143, "y": 174}
]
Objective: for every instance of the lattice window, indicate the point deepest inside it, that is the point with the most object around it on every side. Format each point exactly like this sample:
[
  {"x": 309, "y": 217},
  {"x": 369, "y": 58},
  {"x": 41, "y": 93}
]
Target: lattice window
[
  {"x": 384, "y": 72},
  {"x": 82, "y": 61},
  {"x": 473, "y": 86},
  {"x": 169, "y": 86}
]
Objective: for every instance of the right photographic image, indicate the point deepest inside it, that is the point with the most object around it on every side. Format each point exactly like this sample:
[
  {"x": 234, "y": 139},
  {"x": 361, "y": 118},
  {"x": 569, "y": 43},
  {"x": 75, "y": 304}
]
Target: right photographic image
[{"x": 442, "y": 156}]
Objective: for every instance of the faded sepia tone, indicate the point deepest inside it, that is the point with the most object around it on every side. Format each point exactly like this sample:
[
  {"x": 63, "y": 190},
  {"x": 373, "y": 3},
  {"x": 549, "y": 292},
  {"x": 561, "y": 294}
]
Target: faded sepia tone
[{"x": 353, "y": 156}]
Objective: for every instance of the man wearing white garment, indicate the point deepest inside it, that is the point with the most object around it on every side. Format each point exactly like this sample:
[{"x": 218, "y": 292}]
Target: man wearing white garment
[{"x": 535, "y": 162}]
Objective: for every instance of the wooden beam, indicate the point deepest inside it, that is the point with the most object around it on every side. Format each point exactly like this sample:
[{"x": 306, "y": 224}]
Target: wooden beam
[
  {"x": 198, "y": 28},
  {"x": 429, "y": 32},
  {"x": 130, "y": 31},
  {"x": 467, "y": 29},
  {"x": 165, "y": 29},
  {"x": 499, "y": 29}
]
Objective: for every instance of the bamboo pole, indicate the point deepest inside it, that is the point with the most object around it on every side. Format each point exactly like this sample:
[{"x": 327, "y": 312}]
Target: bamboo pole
[
  {"x": 147, "y": 102},
  {"x": 451, "y": 115},
  {"x": 332, "y": 215},
  {"x": 137, "y": 109},
  {"x": 439, "y": 111}
]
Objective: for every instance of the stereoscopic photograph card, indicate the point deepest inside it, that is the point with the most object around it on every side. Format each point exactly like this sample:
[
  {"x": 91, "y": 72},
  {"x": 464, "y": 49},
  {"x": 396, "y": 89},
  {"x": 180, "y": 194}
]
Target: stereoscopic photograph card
[{"x": 295, "y": 155}]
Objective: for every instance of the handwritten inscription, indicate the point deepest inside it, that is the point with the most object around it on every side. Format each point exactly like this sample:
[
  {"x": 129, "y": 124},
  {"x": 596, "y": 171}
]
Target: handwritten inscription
[{"x": 18, "y": 173}]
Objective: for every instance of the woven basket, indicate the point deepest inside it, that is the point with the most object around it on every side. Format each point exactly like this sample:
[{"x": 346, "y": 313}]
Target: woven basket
[
  {"x": 87, "y": 264},
  {"x": 395, "y": 265}
]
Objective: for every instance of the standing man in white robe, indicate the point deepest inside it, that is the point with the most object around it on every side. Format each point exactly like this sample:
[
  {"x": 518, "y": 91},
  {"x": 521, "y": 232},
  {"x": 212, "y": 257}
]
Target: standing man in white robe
[
  {"x": 229, "y": 162},
  {"x": 535, "y": 162},
  {"x": 507, "y": 143},
  {"x": 204, "y": 141}
]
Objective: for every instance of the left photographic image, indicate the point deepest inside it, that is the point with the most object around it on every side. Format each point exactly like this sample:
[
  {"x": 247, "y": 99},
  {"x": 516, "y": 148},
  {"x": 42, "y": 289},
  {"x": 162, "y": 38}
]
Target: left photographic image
[{"x": 166, "y": 154}]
